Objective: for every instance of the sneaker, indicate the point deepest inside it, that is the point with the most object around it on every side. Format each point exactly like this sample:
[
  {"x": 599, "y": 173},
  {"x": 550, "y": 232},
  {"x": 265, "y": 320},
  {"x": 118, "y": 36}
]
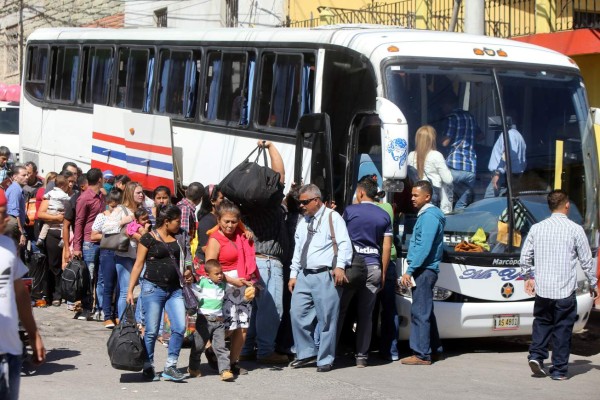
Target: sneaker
[
  {"x": 273, "y": 358},
  {"x": 84, "y": 316},
  {"x": 237, "y": 370},
  {"x": 172, "y": 374},
  {"x": 70, "y": 307},
  {"x": 414, "y": 360},
  {"x": 361, "y": 362},
  {"x": 40, "y": 303},
  {"x": 559, "y": 377},
  {"x": 227, "y": 376},
  {"x": 55, "y": 303},
  {"x": 194, "y": 373},
  {"x": 149, "y": 375},
  {"x": 537, "y": 367},
  {"x": 98, "y": 316},
  {"x": 109, "y": 324}
]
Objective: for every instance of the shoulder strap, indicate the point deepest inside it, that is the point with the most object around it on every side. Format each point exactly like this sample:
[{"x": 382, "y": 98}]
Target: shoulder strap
[
  {"x": 334, "y": 242},
  {"x": 171, "y": 255}
]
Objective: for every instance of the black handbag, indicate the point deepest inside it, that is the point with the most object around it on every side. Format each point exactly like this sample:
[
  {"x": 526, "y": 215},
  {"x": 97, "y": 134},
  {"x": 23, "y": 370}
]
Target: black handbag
[
  {"x": 251, "y": 185},
  {"x": 116, "y": 241},
  {"x": 126, "y": 348},
  {"x": 189, "y": 298},
  {"x": 75, "y": 280}
]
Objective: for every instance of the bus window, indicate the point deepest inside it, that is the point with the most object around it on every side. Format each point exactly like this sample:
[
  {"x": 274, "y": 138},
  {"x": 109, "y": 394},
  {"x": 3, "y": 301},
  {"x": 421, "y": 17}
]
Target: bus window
[
  {"x": 134, "y": 81},
  {"x": 286, "y": 89},
  {"x": 65, "y": 70},
  {"x": 97, "y": 74},
  {"x": 37, "y": 67},
  {"x": 178, "y": 83},
  {"x": 229, "y": 79}
]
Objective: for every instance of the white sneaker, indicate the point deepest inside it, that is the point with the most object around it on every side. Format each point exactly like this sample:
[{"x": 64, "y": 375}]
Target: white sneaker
[
  {"x": 98, "y": 316},
  {"x": 85, "y": 315}
]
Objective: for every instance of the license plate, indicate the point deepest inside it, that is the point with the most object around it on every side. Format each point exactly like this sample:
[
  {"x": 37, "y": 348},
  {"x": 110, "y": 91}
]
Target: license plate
[{"x": 506, "y": 322}]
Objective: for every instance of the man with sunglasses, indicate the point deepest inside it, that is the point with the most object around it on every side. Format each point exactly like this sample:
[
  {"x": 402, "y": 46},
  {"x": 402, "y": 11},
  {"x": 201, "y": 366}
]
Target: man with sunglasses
[{"x": 316, "y": 279}]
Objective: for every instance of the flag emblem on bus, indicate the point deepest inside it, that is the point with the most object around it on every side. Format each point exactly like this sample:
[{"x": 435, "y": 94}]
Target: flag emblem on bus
[{"x": 507, "y": 290}]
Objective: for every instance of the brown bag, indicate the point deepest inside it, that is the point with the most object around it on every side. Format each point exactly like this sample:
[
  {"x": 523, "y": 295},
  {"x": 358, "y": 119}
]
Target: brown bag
[
  {"x": 465, "y": 246},
  {"x": 503, "y": 235}
]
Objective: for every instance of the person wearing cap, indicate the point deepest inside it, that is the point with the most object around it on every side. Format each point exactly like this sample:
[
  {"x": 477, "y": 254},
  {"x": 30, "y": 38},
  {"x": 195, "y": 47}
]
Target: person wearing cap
[
  {"x": 370, "y": 230},
  {"x": 109, "y": 181},
  {"x": 15, "y": 306}
]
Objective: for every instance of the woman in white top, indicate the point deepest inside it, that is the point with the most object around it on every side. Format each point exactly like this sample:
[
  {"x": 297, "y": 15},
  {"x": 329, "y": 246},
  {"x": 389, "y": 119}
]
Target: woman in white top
[{"x": 431, "y": 165}]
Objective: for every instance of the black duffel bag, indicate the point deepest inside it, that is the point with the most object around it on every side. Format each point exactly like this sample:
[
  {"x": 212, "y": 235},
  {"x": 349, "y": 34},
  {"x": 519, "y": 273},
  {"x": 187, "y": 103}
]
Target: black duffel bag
[
  {"x": 126, "y": 348},
  {"x": 75, "y": 280},
  {"x": 251, "y": 185}
]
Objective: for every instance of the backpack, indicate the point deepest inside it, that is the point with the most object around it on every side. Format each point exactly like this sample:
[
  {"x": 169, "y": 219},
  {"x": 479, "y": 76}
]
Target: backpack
[
  {"x": 126, "y": 348},
  {"x": 75, "y": 280}
]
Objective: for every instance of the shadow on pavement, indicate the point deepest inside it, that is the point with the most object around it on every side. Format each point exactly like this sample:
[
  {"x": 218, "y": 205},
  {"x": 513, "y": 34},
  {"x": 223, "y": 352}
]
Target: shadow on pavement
[
  {"x": 51, "y": 366},
  {"x": 580, "y": 367}
]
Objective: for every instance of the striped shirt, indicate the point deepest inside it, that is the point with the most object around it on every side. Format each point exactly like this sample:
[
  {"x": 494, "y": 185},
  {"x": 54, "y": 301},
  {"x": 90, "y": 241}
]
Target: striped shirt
[
  {"x": 461, "y": 128},
  {"x": 210, "y": 296},
  {"x": 552, "y": 251}
]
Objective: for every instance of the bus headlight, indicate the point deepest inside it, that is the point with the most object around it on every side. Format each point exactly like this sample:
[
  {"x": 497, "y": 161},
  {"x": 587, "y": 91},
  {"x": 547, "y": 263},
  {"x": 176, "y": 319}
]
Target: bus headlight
[
  {"x": 583, "y": 287},
  {"x": 441, "y": 294}
]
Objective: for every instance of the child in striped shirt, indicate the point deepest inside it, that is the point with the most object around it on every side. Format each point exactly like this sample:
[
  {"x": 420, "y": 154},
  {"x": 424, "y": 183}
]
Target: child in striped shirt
[{"x": 209, "y": 323}]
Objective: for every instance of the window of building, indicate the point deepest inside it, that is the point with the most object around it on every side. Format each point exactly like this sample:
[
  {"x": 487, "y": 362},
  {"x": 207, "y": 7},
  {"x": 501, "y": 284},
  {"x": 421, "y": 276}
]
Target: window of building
[
  {"x": 286, "y": 89},
  {"x": 97, "y": 74},
  {"x": 586, "y": 19},
  {"x": 134, "y": 81},
  {"x": 65, "y": 72},
  {"x": 178, "y": 84},
  {"x": 36, "y": 69},
  {"x": 161, "y": 18},
  {"x": 229, "y": 83}
]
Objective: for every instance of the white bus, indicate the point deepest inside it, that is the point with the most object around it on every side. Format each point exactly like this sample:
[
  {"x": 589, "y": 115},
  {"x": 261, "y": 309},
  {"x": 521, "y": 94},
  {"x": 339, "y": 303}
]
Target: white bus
[{"x": 175, "y": 106}]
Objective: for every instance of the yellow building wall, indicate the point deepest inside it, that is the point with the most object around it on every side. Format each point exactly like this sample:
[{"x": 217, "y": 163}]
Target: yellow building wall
[
  {"x": 591, "y": 75},
  {"x": 300, "y": 10}
]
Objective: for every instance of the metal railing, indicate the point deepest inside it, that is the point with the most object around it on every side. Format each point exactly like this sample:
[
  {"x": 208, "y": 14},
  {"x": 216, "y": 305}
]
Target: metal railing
[{"x": 576, "y": 14}]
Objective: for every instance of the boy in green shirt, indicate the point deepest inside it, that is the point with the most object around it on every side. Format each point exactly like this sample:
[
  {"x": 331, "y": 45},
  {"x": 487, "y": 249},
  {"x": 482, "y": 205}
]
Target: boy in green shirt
[{"x": 209, "y": 323}]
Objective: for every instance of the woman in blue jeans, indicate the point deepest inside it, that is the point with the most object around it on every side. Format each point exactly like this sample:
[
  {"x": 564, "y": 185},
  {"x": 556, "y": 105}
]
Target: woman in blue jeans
[
  {"x": 123, "y": 214},
  {"x": 163, "y": 251}
]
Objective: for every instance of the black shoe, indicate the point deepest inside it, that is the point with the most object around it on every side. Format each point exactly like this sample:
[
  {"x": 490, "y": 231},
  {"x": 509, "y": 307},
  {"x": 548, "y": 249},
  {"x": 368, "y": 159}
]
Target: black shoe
[
  {"x": 302, "y": 362},
  {"x": 237, "y": 370},
  {"x": 361, "y": 362},
  {"x": 149, "y": 375},
  {"x": 537, "y": 367},
  {"x": 435, "y": 357},
  {"x": 325, "y": 368}
]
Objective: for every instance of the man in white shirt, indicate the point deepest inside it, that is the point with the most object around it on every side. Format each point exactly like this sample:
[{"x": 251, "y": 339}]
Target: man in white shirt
[{"x": 14, "y": 306}]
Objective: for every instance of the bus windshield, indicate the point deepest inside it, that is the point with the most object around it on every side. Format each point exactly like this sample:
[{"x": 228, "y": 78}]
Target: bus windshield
[{"x": 547, "y": 108}]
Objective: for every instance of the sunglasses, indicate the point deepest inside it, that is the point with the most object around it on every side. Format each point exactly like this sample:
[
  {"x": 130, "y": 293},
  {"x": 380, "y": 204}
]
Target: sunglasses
[{"x": 307, "y": 201}]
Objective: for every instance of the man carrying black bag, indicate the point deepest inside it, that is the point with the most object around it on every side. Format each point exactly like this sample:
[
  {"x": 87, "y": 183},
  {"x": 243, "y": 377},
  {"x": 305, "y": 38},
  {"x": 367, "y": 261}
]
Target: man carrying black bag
[{"x": 370, "y": 230}]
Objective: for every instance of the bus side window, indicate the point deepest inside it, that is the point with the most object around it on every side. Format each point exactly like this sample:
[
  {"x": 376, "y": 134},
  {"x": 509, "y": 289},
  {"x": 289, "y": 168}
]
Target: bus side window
[
  {"x": 97, "y": 75},
  {"x": 65, "y": 71},
  {"x": 286, "y": 90},
  {"x": 229, "y": 79},
  {"x": 178, "y": 83},
  {"x": 135, "y": 76},
  {"x": 37, "y": 68}
]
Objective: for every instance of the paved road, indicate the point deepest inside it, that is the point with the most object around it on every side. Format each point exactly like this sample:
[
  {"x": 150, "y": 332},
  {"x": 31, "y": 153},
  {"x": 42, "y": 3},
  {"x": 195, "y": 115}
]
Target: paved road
[{"x": 78, "y": 368}]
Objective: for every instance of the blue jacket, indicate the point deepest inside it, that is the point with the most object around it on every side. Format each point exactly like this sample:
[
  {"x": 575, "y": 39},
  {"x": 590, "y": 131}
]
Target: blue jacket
[{"x": 426, "y": 244}]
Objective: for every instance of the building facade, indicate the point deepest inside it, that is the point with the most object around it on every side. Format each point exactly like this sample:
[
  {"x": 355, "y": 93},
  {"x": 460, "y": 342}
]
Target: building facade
[{"x": 18, "y": 18}]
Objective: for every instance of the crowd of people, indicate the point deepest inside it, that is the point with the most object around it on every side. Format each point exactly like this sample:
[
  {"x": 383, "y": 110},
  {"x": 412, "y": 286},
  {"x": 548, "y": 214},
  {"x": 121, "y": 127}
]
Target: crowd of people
[{"x": 238, "y": 263}]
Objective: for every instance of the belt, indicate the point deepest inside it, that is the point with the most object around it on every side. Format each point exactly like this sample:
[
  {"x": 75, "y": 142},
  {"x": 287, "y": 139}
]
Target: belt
[
  {"x": 266, "y": 256},
  {"x": 315, "y": 271}
]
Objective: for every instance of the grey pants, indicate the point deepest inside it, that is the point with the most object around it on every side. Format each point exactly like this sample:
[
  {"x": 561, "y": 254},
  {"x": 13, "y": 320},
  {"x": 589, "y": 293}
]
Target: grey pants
[
  {"x": 366, "y": 302},
  {"x": 213, "y": 330}
]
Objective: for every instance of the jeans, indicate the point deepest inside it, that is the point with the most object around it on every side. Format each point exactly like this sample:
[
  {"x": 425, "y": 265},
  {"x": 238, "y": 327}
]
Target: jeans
[
  {"x": 366, "y": 297},
  {"x": 463, "y": 183},
  {"x": 267, "y": 309},
  {"x": 155, "y": 301},
  {"x": 424, "y": 336},
  {"x": 90, "y": 256},
  {"x": 9, "y": 386},
  {"x": 124, "y": 266},
  {"x": 214, "y": 331},
  {"x": 108, "y": 268},
  {"x": 553, "y": 321},
  {"x": 388, "y": 343}
]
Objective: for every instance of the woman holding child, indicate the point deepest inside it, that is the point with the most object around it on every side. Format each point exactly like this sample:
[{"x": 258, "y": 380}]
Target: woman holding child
[
  {"x": 228, "y": 243},
  {"x": 164, "y": 251}
]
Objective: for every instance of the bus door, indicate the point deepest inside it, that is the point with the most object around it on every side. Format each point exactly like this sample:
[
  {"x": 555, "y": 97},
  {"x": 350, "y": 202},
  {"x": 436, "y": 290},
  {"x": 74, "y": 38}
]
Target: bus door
[
  {"x": 314, "y": 133},
  {"x": 136, "y": 144}
]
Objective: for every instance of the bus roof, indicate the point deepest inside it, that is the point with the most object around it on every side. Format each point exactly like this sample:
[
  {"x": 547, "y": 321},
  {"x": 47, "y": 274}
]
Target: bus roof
[{"x": 371, "y": 40}]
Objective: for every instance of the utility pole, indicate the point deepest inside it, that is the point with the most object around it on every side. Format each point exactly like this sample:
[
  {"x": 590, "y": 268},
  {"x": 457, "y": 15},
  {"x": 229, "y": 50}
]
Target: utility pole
[{"x": 474, "y": 17}]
